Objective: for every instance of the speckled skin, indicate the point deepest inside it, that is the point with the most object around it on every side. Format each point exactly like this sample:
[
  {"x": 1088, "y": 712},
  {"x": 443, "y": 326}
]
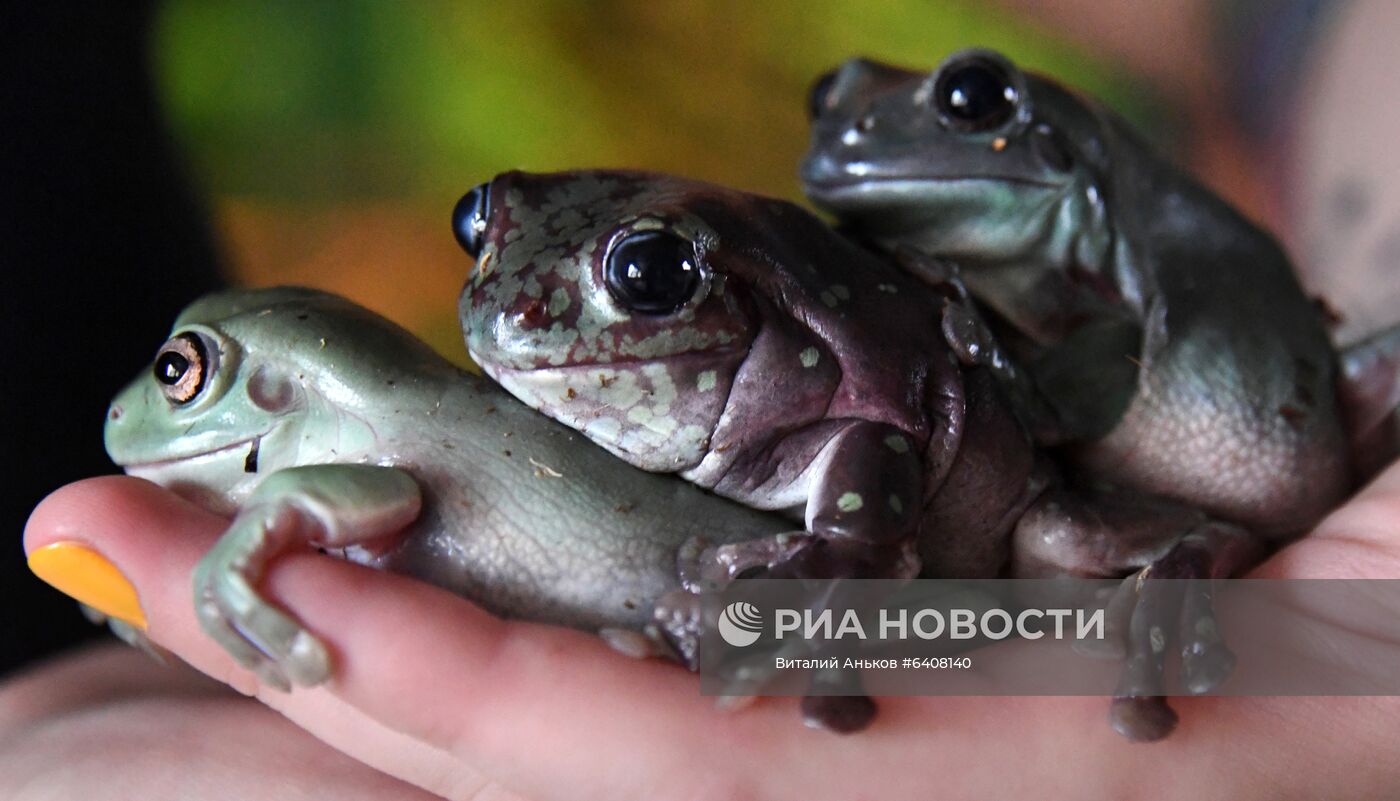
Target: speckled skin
[
  {"x": 1169, "y": 333},
  {"x": 361, "y": 430},
  {"x": 806, "y": 376}
]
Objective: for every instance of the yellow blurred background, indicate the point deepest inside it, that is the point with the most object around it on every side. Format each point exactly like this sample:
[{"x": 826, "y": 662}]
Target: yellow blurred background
[{"x": 332, "y": 138}]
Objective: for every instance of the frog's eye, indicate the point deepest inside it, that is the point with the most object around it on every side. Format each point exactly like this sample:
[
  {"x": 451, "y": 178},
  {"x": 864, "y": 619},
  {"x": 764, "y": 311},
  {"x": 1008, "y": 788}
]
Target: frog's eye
[
  {"x": 182, "y": 367},
  {"x": 469, "y": 220},
  {"x": 975, "y": 92},
  {"x": 819, "y": 98},
  {"x": 652, "y": 272}
]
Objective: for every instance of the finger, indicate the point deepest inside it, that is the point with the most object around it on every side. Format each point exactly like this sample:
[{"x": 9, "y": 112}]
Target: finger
[
  {"x": 1356, "y": 541},
  {"x": 98, "y": 722},
  {"x": 155, "y": 538}
]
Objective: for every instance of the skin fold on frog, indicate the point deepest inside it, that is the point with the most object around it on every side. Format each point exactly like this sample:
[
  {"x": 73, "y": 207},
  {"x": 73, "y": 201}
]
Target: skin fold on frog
[
  {"x": 1168, "y": 334},
  {"x": 315, "y": 423},
  {"x": 738, "y": 342}
]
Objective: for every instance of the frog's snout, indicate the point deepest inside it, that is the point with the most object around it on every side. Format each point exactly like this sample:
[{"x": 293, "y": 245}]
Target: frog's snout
[{"x": 469, "y": 219}]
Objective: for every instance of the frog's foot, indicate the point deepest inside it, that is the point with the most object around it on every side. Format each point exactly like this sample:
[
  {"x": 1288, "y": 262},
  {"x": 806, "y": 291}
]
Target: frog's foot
[
  {"x": 255, "y": 633},
  {"x": 1174, "y": 594},
  {"x": 331, "y": 506},
  {"x": 677, "y": 624},
  {"x": 707, "y": 567}
]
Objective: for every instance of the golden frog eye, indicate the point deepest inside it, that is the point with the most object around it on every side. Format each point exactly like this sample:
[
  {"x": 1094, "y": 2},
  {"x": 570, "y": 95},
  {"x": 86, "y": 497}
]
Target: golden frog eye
[{"x": 181, "y": 367}]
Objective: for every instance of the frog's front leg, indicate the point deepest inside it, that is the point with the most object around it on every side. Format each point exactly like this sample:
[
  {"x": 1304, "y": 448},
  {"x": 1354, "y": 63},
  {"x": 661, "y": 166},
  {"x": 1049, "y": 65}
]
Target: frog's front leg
[
  {"x": 863, "y": 509},
  {"x": 863, "y": 513},
  {"x": 330, "y": 506},
  {"x": 864, "y": 501}
]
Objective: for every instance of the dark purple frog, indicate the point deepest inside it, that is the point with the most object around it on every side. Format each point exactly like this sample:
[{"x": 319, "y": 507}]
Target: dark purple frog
[{"x": 737, "y": 341}]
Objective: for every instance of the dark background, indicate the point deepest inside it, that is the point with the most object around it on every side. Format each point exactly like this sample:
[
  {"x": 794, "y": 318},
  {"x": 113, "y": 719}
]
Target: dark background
[{"x": 103, "y": 243}]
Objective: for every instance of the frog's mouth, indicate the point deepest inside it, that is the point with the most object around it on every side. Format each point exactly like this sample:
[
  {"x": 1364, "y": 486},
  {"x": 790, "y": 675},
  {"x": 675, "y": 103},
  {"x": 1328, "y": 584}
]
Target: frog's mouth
[
  {"x": 852, "y": 185},
  {"x": 249, "y": 447},
  {"x": 833, "y": 178}
]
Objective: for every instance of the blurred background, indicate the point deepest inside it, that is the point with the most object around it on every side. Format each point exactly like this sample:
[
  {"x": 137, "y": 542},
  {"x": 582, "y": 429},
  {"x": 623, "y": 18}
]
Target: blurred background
[
  {"x": 158, "y": 149},
  {"x": 331, "y": 139}
]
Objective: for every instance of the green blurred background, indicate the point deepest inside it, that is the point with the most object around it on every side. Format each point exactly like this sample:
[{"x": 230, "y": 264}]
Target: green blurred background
[{"x": 332, "y": 138}]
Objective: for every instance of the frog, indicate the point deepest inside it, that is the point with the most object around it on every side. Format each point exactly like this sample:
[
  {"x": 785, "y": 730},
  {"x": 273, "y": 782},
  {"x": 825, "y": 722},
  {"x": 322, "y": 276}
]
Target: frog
[
  {"x": 1167, "y": 332},
  {"x": 314, "y": 423},
  {"x": 737, "y": 342}
]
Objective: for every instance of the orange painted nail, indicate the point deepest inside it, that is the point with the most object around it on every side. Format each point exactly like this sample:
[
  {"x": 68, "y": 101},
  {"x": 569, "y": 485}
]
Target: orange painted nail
[{"x": 81, "y": 573}]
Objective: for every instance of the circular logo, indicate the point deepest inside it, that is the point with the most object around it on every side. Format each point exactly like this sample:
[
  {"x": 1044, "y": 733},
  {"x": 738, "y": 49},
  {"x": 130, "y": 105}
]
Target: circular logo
[{"x": 740, "y": 624}]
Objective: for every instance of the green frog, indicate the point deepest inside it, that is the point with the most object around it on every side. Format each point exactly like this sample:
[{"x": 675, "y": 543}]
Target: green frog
[{"x": 313, "y": 422}]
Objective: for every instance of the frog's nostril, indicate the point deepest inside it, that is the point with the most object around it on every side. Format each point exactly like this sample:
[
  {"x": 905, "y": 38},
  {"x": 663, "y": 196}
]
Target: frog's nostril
[
  {"x": 469, "y": 220},
  {"x": 534, "y": 315},
  {"x": 858, "y": 130},
  {"x": 114, "y": 413}
]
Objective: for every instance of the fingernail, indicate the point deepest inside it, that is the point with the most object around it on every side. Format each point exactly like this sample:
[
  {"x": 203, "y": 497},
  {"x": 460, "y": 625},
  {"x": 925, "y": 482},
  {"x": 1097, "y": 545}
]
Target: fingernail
[{"x": 85, "y": 575}]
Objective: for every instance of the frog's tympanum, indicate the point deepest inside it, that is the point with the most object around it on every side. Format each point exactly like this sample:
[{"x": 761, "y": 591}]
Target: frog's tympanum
[
  {"x": 1168, "y": 334},
  {"x": 314, "y": 422},
  {"x": 738, "y": 342}
]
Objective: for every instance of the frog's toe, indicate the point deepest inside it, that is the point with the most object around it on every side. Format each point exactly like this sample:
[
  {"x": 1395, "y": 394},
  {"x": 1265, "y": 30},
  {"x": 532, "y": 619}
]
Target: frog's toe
[
  {"x": 707, "y": 567},
  {"x": 1207, "y": 669},
  {"x": 94, "y": 616},
  {"x": 127, "y": 633},
  {"x": 1118, "y": 612},
  {"x": 838, "y": 703},
  {"x": 215, "y": 623},
  {"x": 647, "y": 644},
  {"x": 677, "y": 620},
  {"x": 1206, "y": 662},
  {"x": 841, "y": 714},
  {"x": 137, "y": 639},
  {"x": 1142, "y": 719},
  {"x": 258, "y": 635}
]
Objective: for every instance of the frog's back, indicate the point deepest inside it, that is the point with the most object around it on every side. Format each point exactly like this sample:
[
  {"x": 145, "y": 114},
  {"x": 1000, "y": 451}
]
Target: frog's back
[{"x": 531, "y": 519}]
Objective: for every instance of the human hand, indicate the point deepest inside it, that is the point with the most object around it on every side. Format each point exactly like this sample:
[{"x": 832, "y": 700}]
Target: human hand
[
  {"x": 102, "y": 723},
  {"x": 432, "y": 690}
]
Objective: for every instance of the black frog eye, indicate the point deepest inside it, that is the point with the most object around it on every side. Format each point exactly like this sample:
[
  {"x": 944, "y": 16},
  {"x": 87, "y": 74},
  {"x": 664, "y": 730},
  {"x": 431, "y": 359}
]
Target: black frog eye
[
  {"x": 469, "y": 220},
  {"x": 652, "y": 272},
  {"x": 182, "y": 367},
  {"x": 975, "y": 93}
]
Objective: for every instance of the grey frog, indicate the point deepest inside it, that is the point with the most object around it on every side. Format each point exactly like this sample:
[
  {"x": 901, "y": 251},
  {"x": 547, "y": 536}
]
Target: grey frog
[{"x": 1168, "y": 333}]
